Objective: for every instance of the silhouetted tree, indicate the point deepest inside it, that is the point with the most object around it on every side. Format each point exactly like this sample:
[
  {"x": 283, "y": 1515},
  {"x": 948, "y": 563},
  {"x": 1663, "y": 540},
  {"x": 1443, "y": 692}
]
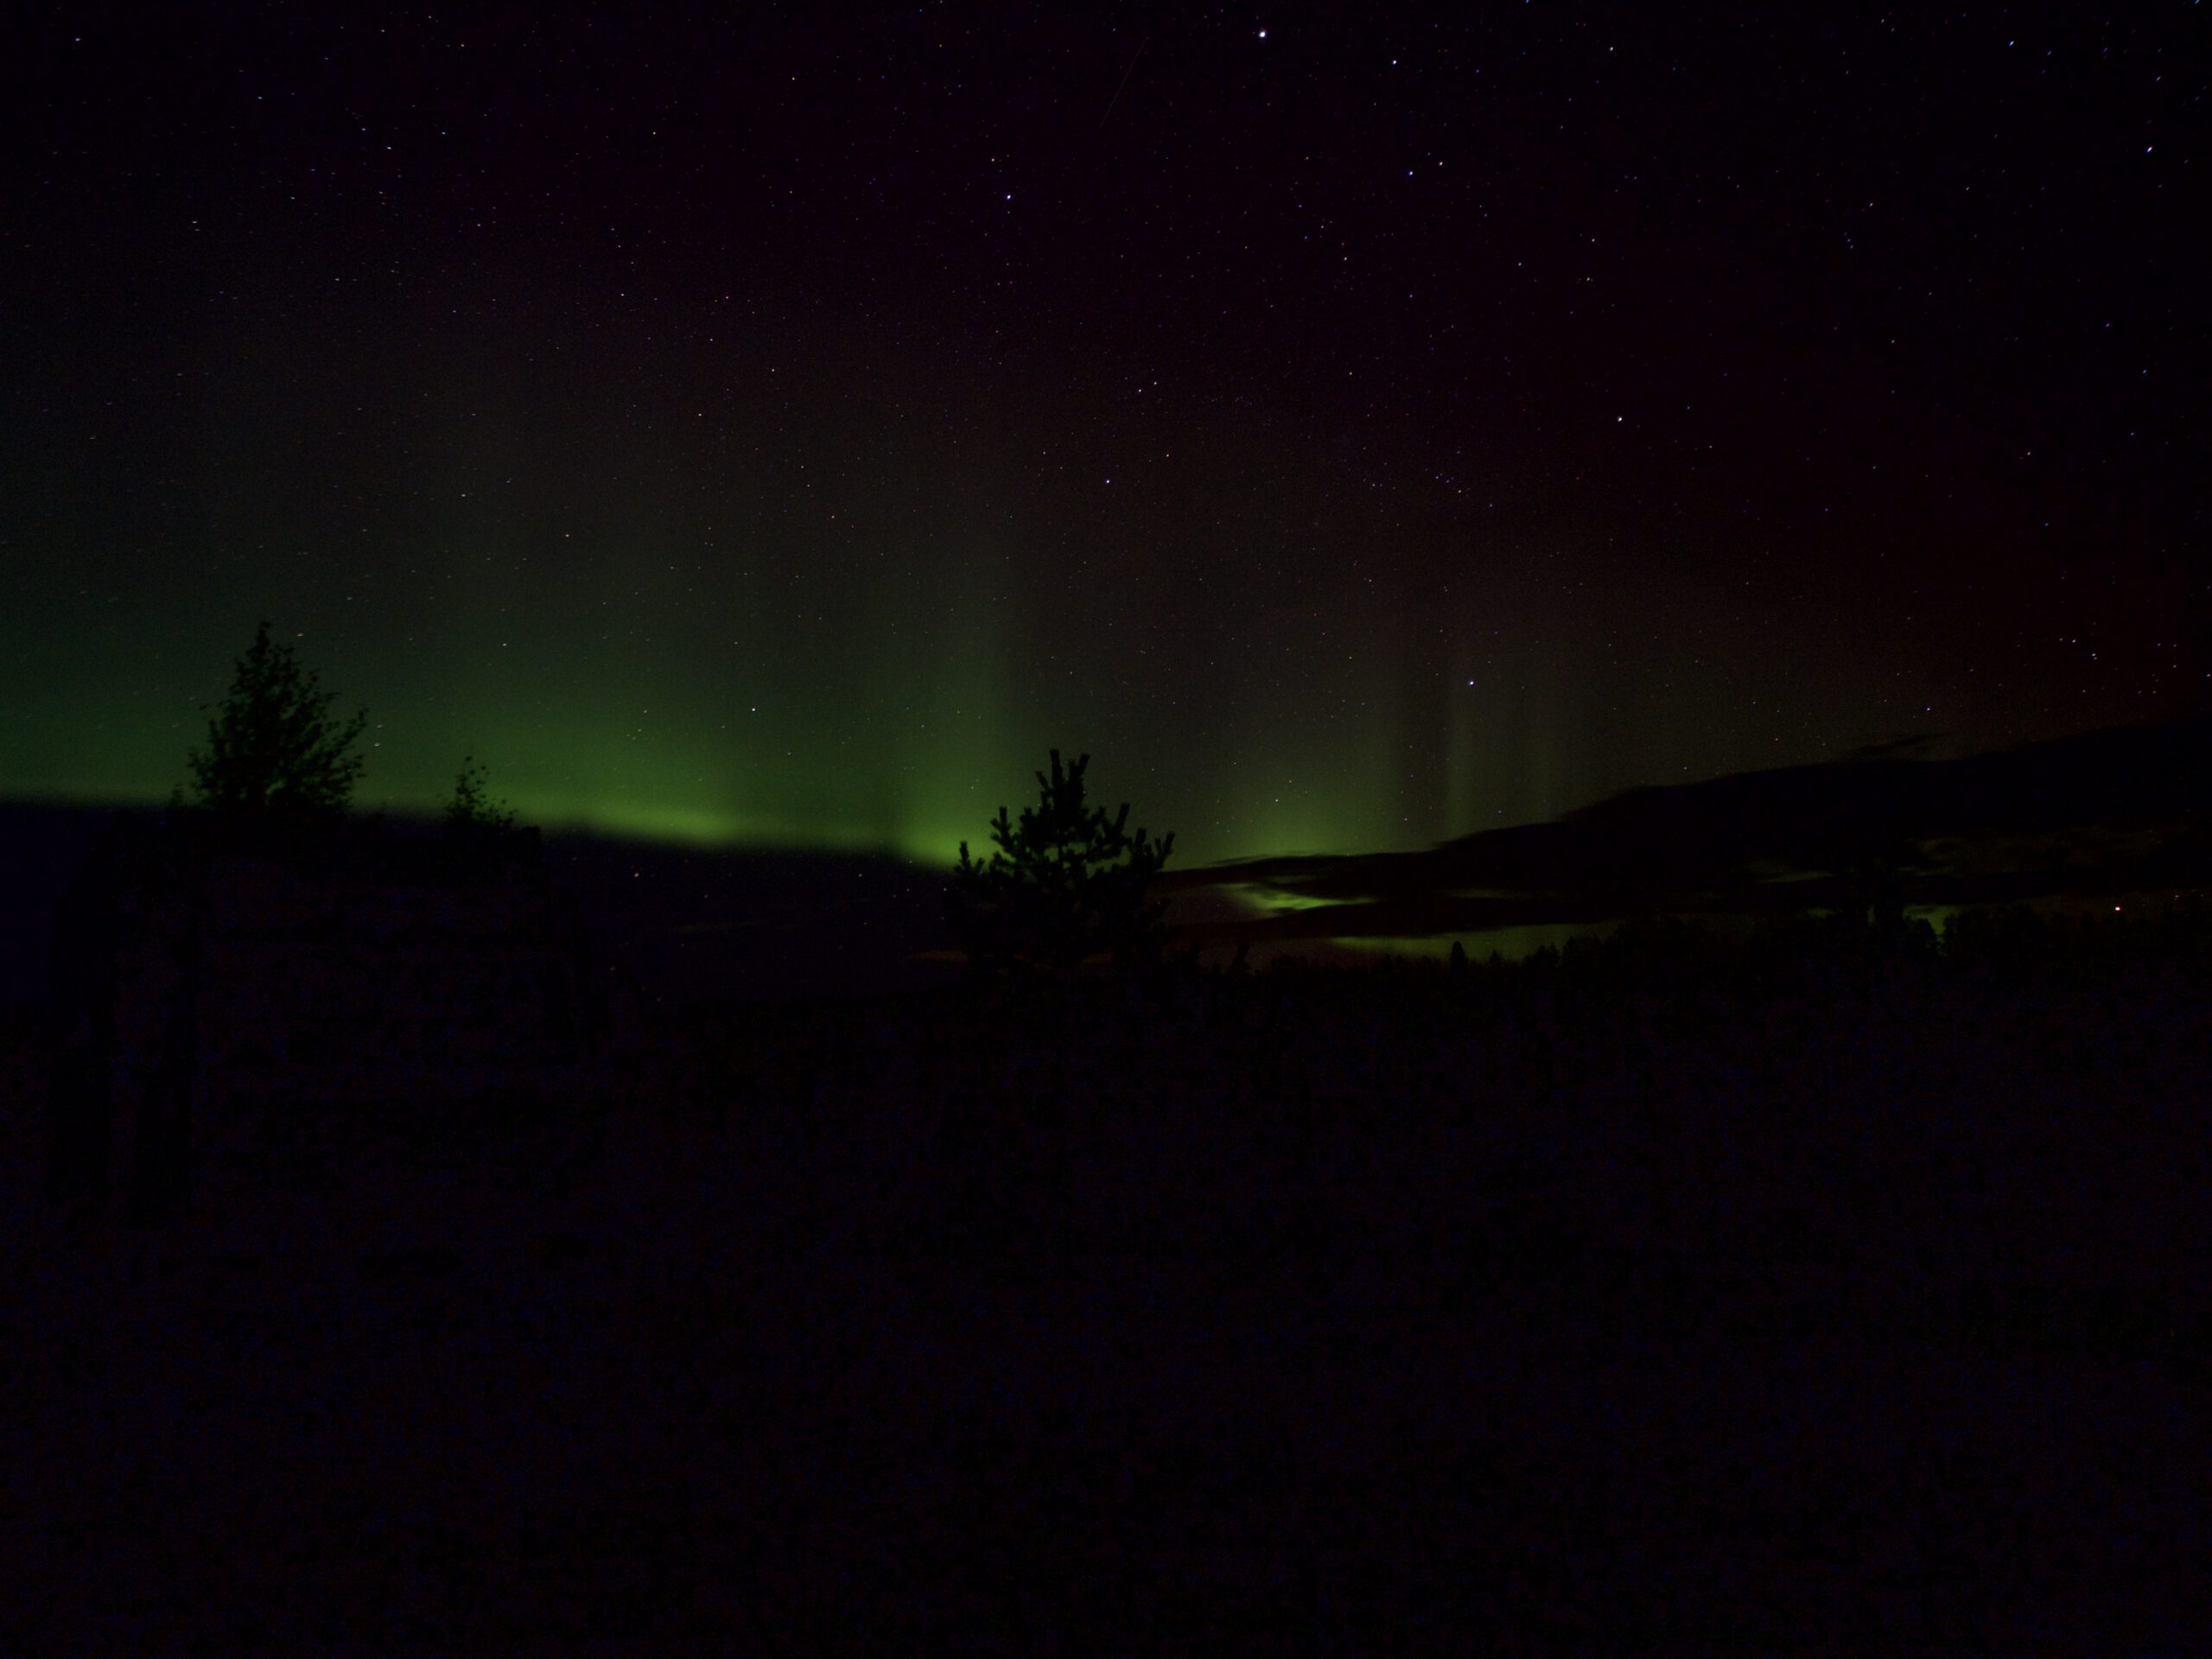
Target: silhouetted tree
[
  {"x": 471, "y": 810},
  {"x": 1066, "y": 886},
  {"x": 482, "y": 838},
  {"x": 274, "y": 748}
]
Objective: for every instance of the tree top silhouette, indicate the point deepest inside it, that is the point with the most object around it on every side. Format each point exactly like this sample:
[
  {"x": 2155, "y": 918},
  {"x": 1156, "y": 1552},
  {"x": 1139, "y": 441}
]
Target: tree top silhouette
[
  {"x": 1067, "y": 885},
  {"x": 274, "y": 746}
]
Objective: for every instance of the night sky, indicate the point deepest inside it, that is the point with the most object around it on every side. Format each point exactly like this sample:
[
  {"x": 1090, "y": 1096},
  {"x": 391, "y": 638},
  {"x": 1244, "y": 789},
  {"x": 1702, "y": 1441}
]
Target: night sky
[{"x": 1353, "y": 429}]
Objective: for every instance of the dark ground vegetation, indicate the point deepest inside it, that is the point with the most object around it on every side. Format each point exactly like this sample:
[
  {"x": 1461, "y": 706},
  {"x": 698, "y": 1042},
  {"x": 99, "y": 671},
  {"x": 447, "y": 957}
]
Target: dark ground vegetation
[{"x": 1834, "y": 1293}]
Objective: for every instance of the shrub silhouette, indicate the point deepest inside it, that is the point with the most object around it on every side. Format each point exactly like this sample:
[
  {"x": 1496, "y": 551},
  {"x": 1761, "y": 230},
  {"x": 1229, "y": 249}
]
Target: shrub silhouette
[
  {"x": 1066, "y": 886},
  {"x": 482, "y": 838},
  {"x": 471, "y": 811},
  {"x": 274, "y": 750}
]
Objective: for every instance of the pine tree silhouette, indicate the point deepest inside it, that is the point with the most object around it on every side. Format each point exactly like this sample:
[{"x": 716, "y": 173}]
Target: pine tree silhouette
[
  {"x": 1067, "y": 885},
  {"x": 273, "y": 749}
]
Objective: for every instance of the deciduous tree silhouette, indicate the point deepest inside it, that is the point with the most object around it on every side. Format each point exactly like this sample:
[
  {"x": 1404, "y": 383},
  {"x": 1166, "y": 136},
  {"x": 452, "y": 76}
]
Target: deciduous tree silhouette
[
  {"x": 482, "y": 837},
  {"x": 273, "y": 749},
  {"x": 471, "y": 810},
  {"x": 1066, "y": 886}
]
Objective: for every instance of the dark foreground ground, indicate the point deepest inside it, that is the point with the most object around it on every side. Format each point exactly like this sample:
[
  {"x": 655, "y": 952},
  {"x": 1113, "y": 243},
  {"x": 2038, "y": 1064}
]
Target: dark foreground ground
[{"x": 1663, "y": 1302}]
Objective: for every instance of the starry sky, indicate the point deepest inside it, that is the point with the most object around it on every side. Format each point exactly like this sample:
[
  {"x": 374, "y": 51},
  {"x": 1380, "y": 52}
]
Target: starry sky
[{"x": 1354, "y": 426}]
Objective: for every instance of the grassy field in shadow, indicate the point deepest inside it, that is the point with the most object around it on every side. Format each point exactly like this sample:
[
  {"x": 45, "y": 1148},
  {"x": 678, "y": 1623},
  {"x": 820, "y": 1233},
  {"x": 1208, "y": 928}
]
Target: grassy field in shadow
[{"x": 1832, "y": 1294}]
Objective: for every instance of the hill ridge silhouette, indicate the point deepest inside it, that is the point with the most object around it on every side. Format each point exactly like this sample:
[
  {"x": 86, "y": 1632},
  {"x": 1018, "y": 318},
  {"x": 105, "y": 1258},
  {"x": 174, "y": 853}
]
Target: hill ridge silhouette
[{"x": 2116, "y": 809}]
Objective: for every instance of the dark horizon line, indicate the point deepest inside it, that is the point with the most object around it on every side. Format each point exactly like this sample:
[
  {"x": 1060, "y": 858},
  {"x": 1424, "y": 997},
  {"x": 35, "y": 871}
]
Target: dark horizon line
[{"x": 1889, "y": 758}]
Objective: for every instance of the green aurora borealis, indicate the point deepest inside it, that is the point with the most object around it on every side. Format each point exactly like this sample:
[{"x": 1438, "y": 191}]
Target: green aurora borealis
[
  {"x": 788, "y": 435},
  {"x": 719, "y": 670},
  {"x": 825, "y": 619},
  {"x": 683, "y": 635}
]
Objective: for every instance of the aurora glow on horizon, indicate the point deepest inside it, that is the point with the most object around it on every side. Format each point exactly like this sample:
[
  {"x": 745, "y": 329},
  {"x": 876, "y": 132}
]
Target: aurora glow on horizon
[{"x": 786, "y": 435}]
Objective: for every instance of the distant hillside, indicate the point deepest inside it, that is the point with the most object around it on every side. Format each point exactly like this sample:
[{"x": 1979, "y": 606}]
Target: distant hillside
[{"x": 2124, "y": 810}]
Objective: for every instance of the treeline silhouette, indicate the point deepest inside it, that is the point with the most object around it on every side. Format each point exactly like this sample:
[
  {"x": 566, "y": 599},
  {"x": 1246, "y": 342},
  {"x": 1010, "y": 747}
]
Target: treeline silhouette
[
  {"x": 1304, "y": 1306},
  {"x": 181, "y": 986},
  {"x": 276, "y": 775}
]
